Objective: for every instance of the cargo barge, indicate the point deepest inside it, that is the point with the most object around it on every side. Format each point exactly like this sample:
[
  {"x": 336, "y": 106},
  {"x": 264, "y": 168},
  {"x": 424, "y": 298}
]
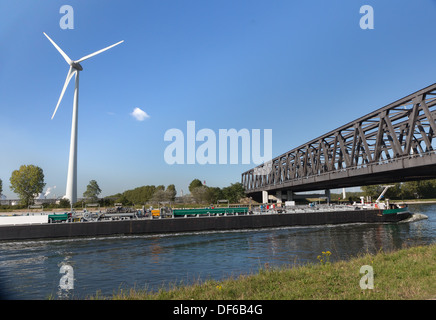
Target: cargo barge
[{"x": 197, "y": 220}]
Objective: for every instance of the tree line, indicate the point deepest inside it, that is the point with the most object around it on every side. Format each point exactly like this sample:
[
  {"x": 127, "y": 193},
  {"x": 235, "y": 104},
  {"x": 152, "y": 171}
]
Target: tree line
[
  {"x": 204, "y": 194},
  {"x": 199, "y": 194},
  {"x": 28, "y": 182},
  {"x": 424, "y": 189}
]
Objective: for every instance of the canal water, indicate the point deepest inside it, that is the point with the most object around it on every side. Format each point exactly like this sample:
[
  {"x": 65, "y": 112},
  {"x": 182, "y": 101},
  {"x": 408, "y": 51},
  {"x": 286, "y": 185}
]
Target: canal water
[{"x": 32, "y": 269}]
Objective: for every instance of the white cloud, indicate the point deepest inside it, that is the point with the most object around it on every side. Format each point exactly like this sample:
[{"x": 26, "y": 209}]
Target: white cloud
[{"x": 139, "y": 114}]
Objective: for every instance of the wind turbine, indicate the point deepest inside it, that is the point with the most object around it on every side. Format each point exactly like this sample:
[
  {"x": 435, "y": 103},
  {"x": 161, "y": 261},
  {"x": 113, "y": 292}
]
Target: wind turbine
[{"x": 75, "y": 68}]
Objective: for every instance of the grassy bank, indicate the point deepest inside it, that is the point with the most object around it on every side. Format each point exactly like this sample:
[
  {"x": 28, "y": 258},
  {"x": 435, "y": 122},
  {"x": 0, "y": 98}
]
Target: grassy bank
[{"x": 405, "y": 274}]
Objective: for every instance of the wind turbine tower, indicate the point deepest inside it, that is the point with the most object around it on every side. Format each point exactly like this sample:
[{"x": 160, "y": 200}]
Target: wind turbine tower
[{"x": 75, "y": 68}]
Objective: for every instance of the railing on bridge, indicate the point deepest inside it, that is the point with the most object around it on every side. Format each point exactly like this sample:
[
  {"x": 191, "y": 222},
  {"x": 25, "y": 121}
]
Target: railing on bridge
[{"x": 395, "y": 139}]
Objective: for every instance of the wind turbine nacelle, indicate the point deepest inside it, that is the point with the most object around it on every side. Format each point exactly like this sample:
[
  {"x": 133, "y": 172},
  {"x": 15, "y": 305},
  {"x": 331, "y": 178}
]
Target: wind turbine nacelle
[{"x": 76, "y": 66}]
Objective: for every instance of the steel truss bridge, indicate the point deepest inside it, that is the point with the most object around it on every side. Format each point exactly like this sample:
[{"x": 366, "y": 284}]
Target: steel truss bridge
[{"x": 392, "y": 144}]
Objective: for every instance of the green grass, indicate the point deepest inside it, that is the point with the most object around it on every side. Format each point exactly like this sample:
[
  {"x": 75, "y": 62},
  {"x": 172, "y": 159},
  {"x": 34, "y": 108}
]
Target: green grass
[{"x": 405, "y": 274}]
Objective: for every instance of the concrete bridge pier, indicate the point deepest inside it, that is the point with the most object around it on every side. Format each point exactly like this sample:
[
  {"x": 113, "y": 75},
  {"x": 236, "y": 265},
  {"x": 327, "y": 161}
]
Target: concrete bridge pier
[
  {"x": 327, "y": 195},
  {"x": 264, "y": 196},
  {"x": 277, "y": 197},
  {"x": 280, "y": 196}
]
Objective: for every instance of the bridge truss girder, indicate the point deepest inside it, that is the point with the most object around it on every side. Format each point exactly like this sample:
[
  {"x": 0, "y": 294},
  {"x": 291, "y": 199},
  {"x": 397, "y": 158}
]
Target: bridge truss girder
[{"x": 392, "y": 144}]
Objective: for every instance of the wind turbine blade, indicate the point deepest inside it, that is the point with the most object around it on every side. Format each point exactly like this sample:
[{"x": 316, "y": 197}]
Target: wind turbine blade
[
  {"x": 67, "y": 59},
  {"x": 67, "y": 81},
  {"x": 97, "y": 52}
]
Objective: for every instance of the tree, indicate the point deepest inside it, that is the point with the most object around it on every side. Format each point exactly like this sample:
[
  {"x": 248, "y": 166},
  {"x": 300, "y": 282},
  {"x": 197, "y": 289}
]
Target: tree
[
  {"x": 124, "y": 200},
  {"x": 199, "y": 194},
  {"x": 140, "y": 194},
  {"x": 64, "y": 203},
  {"x": 394, "y": 192},
  {"x": 160, "y": 195},
  {"x": 27, "y": 182},
  {"x": 171, "y": 192},
  {"x": 1, "y": 187},
  {"x": 234, "y": 192},
  {"x": 418, "y": 189},
  {"x": 213, "y": 194},
  {"x": 195, "y": 184},
  {"x": 427, "y": 189},
  {"x": 409, "y": 190},
  {"x": 372, "y": 191},
  {"x": 92, "y": 191}
]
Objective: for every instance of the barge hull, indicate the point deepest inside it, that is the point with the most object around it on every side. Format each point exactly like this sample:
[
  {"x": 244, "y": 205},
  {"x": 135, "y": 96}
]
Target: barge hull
[{"x": 193, "y": 224}]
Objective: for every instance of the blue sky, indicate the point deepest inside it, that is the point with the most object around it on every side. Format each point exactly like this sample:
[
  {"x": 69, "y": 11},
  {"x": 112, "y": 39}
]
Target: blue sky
[{"x": 300, "y": 68}]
